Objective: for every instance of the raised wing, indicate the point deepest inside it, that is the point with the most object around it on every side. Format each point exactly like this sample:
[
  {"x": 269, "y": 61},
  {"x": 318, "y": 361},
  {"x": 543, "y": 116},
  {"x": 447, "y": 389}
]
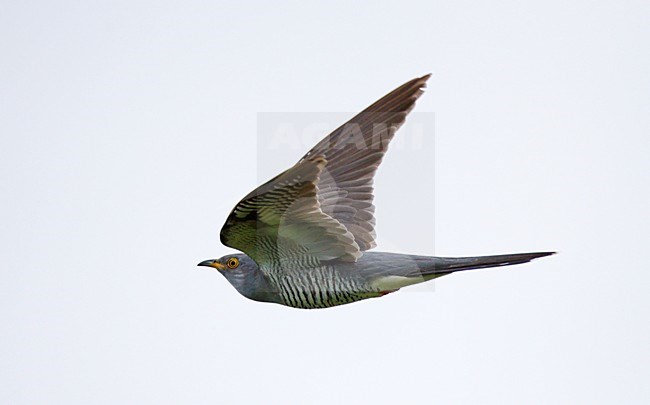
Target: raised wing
[
  {"x": 282, "y": 221},
  {"x": 353, "y": 153},
  {"x": 321, "y": 208}
]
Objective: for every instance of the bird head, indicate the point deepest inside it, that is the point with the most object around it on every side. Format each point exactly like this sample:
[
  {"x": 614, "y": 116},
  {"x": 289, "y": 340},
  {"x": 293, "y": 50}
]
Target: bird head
[
  {"x": 243, "y": 273},
  {"x": 237, "y": 263}
]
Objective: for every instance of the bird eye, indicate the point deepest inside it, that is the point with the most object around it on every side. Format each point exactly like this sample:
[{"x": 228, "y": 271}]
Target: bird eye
[{"x": 232, "y": 263}]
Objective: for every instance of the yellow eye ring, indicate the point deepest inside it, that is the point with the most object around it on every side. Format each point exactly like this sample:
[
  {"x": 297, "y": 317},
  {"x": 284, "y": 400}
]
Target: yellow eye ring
[{"x": 232, "y": 263}]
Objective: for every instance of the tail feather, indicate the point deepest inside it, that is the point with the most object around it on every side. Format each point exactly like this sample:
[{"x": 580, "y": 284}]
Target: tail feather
[{"x": 446, "y": 265}]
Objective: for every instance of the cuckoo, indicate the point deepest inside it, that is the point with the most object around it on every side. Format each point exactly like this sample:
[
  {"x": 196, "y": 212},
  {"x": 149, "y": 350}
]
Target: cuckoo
[{"x": 306, "y": 233}]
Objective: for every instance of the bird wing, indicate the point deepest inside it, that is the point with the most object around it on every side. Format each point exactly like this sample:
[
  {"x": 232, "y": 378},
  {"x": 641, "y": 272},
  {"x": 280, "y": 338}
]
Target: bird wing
[
  {"x": 321, "y": 208},
  {"x": 353, "y": 153},
  {"x": 282, "y": 221}
]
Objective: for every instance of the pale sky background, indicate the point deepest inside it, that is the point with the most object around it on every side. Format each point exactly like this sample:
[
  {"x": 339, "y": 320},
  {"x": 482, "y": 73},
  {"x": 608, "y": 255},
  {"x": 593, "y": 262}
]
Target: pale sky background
[{"x": 129, "y": 129}]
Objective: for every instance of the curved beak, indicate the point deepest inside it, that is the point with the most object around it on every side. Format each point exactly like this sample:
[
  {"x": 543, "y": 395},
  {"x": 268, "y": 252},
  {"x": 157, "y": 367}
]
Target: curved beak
[{"x": 212, "y": 263}]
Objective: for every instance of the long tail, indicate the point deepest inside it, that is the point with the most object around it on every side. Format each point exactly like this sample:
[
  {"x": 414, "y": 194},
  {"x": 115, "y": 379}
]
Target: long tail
[
  {"x": 392, "y": 271},
  {"x": 446, "y": 265}
]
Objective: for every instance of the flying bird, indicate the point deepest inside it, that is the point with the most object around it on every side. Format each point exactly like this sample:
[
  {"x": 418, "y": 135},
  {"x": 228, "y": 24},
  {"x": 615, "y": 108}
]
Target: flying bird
[{"x": 306, "y": 233}]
